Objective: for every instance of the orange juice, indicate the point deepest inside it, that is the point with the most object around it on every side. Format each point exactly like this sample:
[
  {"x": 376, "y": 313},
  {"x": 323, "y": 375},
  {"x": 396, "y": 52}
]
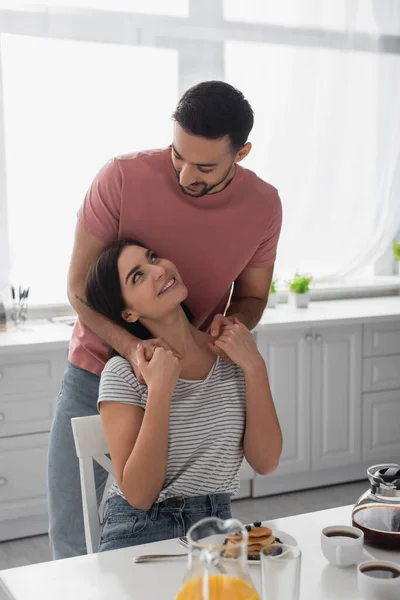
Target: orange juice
[{"x": 221, "y": 587}]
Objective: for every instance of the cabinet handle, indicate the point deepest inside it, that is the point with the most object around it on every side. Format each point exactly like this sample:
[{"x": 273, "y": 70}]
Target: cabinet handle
[
  {"x": 308, "y": 337},
  {"x": 2, "y": 417},
  {"x": 3, "y": 481},
  {"x": 318, "y": 338}
]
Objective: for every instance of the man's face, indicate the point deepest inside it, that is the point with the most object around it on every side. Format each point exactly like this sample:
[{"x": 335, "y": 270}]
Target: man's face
[{"x": 202, "y": 166}]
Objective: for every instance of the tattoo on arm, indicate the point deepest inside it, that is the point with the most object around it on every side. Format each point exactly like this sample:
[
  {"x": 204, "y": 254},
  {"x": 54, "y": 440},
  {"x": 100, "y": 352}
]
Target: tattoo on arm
[{"x": 82, "y": 300}]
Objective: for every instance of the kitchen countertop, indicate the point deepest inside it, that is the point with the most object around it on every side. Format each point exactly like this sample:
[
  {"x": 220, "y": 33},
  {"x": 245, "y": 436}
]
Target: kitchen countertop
[
  {"x": 43, "y": 334},
  {"x": 39, "y": 334},
  {"x": 332, "y": 312}
]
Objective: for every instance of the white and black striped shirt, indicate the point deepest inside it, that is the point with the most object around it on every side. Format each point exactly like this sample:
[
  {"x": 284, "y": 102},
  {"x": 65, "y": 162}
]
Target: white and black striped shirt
[{"x": 206, "y": 427}]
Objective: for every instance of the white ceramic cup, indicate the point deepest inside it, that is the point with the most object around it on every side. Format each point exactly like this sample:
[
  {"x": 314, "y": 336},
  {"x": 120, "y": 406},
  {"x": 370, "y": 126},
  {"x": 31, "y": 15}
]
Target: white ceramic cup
[
  {"x": 342, "y": 550},
  {"x": 379, "y": 587}
]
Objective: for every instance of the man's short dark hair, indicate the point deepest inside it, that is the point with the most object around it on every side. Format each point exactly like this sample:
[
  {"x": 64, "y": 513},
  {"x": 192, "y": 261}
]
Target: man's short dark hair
[{"x": 214, "y": 109}]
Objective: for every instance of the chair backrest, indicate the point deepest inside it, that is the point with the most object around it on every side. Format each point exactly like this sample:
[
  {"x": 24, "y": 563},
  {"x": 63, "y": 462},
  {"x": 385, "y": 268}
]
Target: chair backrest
[{"x": 90, "y": 444}]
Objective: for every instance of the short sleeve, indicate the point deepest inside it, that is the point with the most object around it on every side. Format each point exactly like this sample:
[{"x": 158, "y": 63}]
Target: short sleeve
[
  {"x": 265, "y": 254},
  {"x": 101, "y": 208},
  {"x": 119, "y": 384}
]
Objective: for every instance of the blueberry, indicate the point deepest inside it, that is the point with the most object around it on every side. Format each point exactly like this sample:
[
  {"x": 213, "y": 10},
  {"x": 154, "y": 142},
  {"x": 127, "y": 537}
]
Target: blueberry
[
  {"x": 276, "y": 551},
  {"x": 248, "y": 527},
  {"x": 252, "y": 557},
  {"x": 278, "y": 540},
  {"x": 257, "y": 523}
]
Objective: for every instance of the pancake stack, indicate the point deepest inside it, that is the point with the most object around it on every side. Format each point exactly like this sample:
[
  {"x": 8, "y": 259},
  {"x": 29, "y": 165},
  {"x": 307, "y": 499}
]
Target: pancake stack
[{"x": 259, "y": 537}]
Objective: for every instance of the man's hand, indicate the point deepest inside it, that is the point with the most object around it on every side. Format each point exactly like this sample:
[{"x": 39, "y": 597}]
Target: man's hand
[
  {"x": 240, "y": 346},
  {"x": 149, "y": 347},
  {"x": 218, "y": 326}
]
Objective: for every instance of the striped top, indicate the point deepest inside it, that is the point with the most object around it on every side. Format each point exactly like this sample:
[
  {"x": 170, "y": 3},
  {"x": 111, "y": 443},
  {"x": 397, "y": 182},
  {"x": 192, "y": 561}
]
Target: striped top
[{"x": 206, "y": 428}]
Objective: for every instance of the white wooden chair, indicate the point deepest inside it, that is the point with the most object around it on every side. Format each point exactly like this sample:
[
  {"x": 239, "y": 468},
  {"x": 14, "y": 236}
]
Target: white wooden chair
[{"x": 90, "y": 444}]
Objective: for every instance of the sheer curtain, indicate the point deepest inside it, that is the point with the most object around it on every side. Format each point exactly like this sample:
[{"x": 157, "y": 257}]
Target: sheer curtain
[
  {"x": 327, "y": 130},
  {"x": 83, "y": 80},
  {"x": 69, "y": 107}
]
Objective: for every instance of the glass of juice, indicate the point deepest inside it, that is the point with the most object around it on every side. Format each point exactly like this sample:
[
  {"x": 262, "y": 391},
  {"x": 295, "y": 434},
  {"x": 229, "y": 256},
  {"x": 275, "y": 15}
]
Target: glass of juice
[{"x": 217, "y": 562}]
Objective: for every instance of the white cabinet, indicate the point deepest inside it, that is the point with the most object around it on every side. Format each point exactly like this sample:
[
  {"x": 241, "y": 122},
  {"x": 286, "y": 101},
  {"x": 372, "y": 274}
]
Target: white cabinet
[
  {"x": 288, "y": 358},
  {"x": 381, "y": 398},
  {"x": 381, "y": 427},
  {"x": 382, "y": 338},
  {"x": 336, "y": 397},
  {"x": 29, "y": 384},
  {"x": 315, "y": 379}
]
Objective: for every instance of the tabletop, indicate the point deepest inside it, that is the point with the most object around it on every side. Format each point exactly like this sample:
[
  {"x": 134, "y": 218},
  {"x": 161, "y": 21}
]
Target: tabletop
[{"x": 114, "y": 575}]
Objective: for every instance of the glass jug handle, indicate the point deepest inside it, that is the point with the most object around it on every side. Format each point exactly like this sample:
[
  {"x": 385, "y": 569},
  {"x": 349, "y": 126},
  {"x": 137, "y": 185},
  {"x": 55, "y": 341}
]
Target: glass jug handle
[{"x": 206, "y": 559}]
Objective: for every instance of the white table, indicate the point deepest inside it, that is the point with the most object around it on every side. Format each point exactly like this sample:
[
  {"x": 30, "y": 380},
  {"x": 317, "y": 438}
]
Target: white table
[{"x": 114, "y": 575}]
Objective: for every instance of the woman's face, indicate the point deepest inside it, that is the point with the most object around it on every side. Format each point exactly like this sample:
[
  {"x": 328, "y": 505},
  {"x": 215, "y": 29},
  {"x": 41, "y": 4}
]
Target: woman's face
[{"x": 151, "y": 286}]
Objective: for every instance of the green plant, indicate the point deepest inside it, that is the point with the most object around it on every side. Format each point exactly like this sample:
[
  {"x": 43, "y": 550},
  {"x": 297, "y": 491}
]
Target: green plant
[
  {"x": 272, "y": 289},
  {"x": 396, "y": 251},
  {"x": 300, "y": 284}
]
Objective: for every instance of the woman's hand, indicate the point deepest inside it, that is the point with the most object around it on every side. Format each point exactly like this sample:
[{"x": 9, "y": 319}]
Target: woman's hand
[
  {"x": 161, "y": 372},
  {"x": 149, "y": 347},
  {"x": 239, "y": 345}
]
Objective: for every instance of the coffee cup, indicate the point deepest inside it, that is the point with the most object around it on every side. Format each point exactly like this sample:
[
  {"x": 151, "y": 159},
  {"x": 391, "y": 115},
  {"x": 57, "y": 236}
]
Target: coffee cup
[
  {"x": 342, "y": 545},
  {"x": 378, "y": 580}
]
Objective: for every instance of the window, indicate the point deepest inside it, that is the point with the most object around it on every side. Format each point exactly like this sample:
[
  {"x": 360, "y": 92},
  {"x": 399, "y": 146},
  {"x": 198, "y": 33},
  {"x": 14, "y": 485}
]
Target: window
[
  {"x": 176, "y": 8},
  {"x": 320, "y": 136},
  {"x": 382, "y": 17},
  {"x": 70, "y": 107},
  {"x": 84, "y": 80}
]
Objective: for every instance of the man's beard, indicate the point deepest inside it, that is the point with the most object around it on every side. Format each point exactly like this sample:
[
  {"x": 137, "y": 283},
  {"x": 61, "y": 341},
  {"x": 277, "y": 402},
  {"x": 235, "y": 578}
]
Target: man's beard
[{"x": 207, "y": 188}]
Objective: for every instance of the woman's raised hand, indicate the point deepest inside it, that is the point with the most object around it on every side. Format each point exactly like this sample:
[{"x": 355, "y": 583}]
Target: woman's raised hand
[{"x": 161, "y": 372}]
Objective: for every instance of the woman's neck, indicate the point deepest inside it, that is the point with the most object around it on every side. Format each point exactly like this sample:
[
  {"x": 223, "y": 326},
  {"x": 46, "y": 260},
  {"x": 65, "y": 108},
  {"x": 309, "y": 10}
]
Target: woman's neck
[{"x": 176, "y": 330}]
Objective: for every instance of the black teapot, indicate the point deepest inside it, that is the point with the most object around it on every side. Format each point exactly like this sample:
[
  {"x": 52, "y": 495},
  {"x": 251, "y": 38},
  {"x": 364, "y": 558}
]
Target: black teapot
[{"x": 377, "y": 511}]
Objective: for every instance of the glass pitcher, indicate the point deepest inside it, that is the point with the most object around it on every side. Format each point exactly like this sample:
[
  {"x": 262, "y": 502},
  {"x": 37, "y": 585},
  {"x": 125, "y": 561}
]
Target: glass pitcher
[
  {"x": 217, "y": 564},
  {"x": 377, "y": 511}
]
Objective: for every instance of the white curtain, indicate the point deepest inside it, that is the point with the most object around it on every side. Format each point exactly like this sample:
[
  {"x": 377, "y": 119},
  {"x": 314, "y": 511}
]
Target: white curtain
[
  {"x": 327, "y": 131},
  {"x": 88, "y": 84}
]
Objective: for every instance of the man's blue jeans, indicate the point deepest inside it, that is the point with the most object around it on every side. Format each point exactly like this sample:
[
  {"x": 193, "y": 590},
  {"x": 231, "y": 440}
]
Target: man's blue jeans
[{"x": 77, "y": 398}]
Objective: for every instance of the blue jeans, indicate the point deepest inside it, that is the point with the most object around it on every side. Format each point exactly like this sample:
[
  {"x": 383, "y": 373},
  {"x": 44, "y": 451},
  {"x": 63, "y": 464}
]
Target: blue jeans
[
  {"x": 125, "y": 525},
  {"x": 77, "y": 398}
]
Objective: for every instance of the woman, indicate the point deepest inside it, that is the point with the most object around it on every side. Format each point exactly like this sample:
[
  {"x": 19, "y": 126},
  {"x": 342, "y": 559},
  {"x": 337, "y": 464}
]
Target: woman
[{"x": 177, "y": 441}]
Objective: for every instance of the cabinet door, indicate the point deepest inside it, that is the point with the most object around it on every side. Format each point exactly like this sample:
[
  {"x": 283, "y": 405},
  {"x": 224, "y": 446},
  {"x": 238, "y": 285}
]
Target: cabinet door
[
  {"x": 288, "y": 358},
  {"x": 23, "y": 462},
  {"x": 336, "y": 396},
  {"x": 381, "y": 431}
]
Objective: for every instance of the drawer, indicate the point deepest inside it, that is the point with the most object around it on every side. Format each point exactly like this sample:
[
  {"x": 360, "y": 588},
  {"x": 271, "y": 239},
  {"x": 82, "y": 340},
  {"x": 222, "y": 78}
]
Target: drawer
[
  {"x": 381, "y": 373},
  {"x": 26, "y": 413},
  {"x": 381, "y": 431},
  {"x": 382, "y": 338},
  {"x": 23, "y": 461},
  {"x": 37, "y": 371}
]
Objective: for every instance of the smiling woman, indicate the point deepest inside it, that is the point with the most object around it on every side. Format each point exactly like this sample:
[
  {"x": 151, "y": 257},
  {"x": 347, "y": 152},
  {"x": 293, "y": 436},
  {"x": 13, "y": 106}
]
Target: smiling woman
[
  {"x": 172, "y": 467},
  {"x": 134, "y": 287}
]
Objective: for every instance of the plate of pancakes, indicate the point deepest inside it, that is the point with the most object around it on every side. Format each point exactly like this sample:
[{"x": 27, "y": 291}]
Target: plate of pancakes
[{"x": 260, "y": 536}]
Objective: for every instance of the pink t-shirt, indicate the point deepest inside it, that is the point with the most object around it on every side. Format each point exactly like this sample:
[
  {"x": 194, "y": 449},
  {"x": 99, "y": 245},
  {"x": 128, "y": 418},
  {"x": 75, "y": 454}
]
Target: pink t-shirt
[{"x": 210, "y": 239}]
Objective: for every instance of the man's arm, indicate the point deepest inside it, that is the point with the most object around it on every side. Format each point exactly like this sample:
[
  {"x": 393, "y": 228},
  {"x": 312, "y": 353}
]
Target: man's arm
[
  {"x": 250, "y": 295},
  {"x": 85, "y": 252}
]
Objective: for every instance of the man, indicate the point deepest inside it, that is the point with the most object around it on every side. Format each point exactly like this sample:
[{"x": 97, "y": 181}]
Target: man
[{"x": 194, "y": 204}]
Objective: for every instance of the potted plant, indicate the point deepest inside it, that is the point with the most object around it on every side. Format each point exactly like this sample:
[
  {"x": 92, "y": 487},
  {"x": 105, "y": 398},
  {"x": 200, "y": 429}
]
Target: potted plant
[
  {"x": 299, "y": 290},
  {"x": 396, "y": 256},
  {"x": 273, "y": 295}
]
